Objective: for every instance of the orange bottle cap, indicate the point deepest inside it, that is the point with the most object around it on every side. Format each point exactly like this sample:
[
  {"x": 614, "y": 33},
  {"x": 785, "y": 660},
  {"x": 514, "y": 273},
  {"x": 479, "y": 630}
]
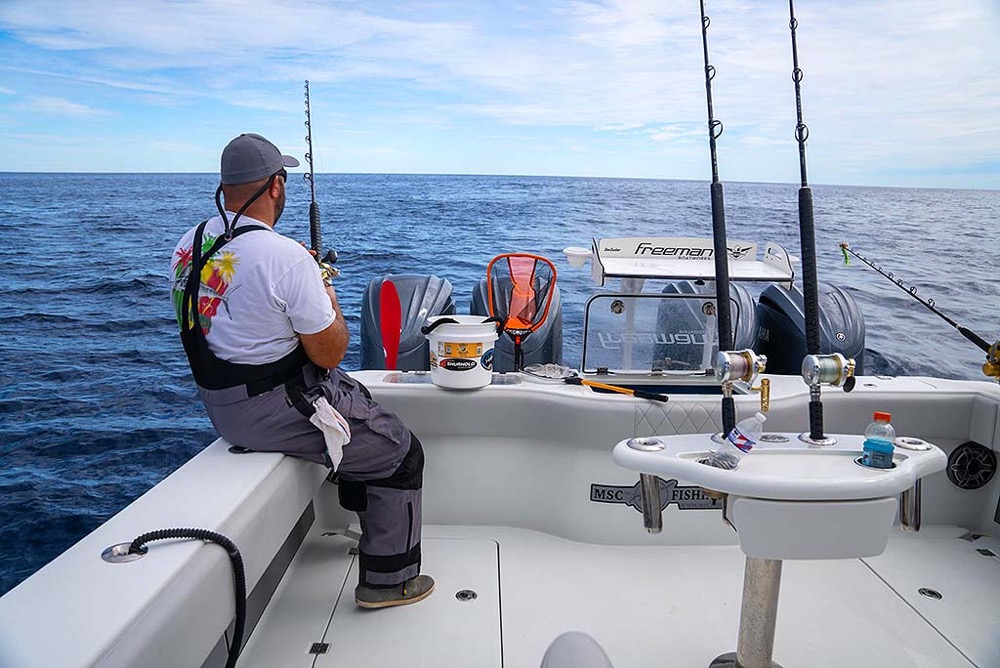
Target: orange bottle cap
[{"x": 879, "y": 415}]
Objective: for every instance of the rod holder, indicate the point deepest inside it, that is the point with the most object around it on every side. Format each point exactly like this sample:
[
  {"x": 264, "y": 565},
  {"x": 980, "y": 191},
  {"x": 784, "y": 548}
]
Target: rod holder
[
  {"x": 909, "y": 508},
  {"x": 652, "y": 513}
]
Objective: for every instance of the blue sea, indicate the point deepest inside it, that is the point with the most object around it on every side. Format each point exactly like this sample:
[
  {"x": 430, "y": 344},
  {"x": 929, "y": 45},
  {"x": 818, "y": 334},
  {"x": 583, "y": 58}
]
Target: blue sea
[{"x": 96, "y": 401}]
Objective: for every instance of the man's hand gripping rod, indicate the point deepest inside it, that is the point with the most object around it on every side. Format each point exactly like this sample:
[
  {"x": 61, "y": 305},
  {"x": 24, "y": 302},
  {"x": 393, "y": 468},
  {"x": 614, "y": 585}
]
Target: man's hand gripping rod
[{"x": 327, "y": 261}]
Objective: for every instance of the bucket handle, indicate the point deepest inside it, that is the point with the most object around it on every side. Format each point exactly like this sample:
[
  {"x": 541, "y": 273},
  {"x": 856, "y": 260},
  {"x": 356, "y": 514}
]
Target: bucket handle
[
  {"x": 427, "y": 329},
  {"x": 498, "y": 321}
]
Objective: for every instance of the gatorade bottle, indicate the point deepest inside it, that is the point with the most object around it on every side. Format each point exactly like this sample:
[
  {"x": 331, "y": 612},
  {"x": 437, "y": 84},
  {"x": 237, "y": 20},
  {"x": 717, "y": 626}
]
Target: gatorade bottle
[
  {"x": 878, "y": 447},
  {"x": 740, "y": 441}
]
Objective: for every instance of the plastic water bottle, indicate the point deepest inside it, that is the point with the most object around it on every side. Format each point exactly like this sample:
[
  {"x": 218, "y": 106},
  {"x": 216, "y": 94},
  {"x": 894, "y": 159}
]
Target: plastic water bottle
[
  {"x": 740, "y": 441},
  {"x": 878, "y": 447}
]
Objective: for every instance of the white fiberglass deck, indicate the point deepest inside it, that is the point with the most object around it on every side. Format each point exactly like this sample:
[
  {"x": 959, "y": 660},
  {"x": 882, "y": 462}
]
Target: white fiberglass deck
[{"x": 663, "y": 606}]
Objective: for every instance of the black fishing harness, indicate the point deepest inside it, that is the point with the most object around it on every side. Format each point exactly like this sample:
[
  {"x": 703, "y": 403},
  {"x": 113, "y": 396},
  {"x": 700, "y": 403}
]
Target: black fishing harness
[{"x": 210, "y": 371}]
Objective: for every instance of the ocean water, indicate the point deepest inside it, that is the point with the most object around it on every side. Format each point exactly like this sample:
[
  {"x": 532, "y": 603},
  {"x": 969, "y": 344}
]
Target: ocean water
[{"x": 96, "y": 400}]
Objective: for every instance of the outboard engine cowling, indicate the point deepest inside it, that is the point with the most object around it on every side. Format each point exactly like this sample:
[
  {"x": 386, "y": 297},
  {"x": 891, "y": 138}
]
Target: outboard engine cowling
[
  {"x": 681, "y": 323},
  {"x": 781, "y": 327},
  {"x": 544, "y": 346},
  {"x": 420, "y": 297}
]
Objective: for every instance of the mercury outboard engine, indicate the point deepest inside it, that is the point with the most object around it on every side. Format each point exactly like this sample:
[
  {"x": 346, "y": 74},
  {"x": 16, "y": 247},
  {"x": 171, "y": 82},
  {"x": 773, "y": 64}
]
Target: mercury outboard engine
[
  {"x": 525, "y": 281},
  {"x": 410, "y": 299},
  {"x": 681, "y": 324},
  {"x": 781, "y": 327}
]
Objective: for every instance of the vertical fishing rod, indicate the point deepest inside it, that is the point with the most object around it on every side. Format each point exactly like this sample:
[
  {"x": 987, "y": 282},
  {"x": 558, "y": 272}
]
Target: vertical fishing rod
[
  {"x": 315, "y": 230},
  {"x": 721, "y": 252},
  {"x": 807, "y": 240}
]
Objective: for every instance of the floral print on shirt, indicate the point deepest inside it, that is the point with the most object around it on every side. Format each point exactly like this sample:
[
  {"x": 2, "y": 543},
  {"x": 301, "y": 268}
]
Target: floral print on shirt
[{"x": 216, "y": 278}]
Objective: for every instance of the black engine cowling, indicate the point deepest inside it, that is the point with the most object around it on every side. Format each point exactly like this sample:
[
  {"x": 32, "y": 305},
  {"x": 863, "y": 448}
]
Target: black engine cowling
[{"x": 781, "y": 327}]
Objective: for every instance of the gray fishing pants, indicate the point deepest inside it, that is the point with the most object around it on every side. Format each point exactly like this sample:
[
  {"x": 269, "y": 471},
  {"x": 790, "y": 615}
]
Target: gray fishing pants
[{"x": 380, "y": 476}]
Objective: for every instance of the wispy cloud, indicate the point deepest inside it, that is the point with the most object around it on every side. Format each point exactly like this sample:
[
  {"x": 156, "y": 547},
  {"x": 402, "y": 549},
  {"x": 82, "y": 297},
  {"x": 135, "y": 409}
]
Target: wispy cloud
[
  {"x": 675, "y": 133},
  {"x": 60, "y": 107}
]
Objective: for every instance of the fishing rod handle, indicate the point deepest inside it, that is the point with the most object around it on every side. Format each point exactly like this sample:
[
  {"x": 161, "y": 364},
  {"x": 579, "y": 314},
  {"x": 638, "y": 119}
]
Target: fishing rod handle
[
  {"x": 974, "y": 338},
  {"x": 315, "y": 231},
  {"x": 652, "y": 396}
]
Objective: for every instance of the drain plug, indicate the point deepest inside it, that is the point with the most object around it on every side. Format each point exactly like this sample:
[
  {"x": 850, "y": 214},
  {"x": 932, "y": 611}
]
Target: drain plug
[
  {"x": 466, "y": 595},
  {"x": 930, "y": 593}
]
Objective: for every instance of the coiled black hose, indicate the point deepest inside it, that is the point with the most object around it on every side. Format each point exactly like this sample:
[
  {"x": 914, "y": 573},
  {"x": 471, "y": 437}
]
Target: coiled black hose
[{"x": 239, "y": 575}]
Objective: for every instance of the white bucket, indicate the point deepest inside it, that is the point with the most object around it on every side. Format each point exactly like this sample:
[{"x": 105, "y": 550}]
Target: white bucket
[{"x": 461, "y": 350}]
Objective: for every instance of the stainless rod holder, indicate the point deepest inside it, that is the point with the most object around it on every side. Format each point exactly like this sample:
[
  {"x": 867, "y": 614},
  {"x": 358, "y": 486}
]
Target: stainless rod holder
[
  {"x": 652, "y": 514},
  {"x": 909, "y": 508}
]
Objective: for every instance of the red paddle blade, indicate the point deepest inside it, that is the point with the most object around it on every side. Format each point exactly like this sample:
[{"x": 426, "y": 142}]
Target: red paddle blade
[{"x": 391, "y": 317}]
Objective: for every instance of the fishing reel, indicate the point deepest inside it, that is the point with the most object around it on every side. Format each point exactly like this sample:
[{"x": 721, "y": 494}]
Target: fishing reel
[
  {"x": 734, "y": 365},
  {"x": 745, "y": 366},
  {"x": 833, "y": 369},
  {"x": 326, "y": 268},
  {"x": 992, "y": 365}
]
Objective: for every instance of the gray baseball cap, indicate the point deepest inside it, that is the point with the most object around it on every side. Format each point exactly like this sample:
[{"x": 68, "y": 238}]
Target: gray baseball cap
[{"x": 250, "y": 158}]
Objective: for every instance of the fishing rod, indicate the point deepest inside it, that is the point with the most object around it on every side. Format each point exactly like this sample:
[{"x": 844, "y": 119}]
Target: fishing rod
[
  {"x": 327, "y": 261},
  {"x": 721, "y": 253},
  {"x": 911, "y": 290},
  {"x": 807, "y": 241}
]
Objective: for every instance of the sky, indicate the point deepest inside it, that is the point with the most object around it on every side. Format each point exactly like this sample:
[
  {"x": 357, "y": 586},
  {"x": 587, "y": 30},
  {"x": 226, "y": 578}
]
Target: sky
[{"x": 895, "y": 92}]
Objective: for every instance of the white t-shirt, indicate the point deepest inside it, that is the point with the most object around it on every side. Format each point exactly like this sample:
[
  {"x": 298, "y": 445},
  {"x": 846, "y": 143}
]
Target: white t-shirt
[{"x": 257, "y": 292}]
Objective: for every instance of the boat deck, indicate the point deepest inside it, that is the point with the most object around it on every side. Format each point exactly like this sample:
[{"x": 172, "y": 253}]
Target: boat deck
[{"x": 664, "y": 606}]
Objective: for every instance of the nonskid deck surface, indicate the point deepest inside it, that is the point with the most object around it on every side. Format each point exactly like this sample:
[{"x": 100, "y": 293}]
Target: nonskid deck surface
[{"x": 664, "y": 606}]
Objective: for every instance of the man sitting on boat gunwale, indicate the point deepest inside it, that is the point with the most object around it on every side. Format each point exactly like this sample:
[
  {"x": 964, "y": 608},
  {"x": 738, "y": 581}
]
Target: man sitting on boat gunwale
[{"x": 263, "y": 333}]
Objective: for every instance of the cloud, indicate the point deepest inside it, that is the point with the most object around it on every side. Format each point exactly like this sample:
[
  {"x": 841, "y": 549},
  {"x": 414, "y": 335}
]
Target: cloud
[
  {"x": 897, "y": 79},
  {"x": 674, "y": 133},
  {"x": 60, "y": 107},
  {"x": 186, "y": 30}
]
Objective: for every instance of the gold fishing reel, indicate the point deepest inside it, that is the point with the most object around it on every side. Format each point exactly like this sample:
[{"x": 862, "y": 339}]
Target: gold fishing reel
[
  {"x": 326, "y": 268},
  {"x": 992, "y": 365},
  {"x": 328, "y": 271}
]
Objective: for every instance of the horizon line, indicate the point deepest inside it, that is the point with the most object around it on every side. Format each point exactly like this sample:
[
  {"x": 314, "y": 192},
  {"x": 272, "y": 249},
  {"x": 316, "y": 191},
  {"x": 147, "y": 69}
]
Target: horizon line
[{"x": 521, "y": 176}]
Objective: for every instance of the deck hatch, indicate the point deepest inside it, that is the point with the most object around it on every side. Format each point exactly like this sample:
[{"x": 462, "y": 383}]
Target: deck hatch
[{"x": 425, "y": 633}]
